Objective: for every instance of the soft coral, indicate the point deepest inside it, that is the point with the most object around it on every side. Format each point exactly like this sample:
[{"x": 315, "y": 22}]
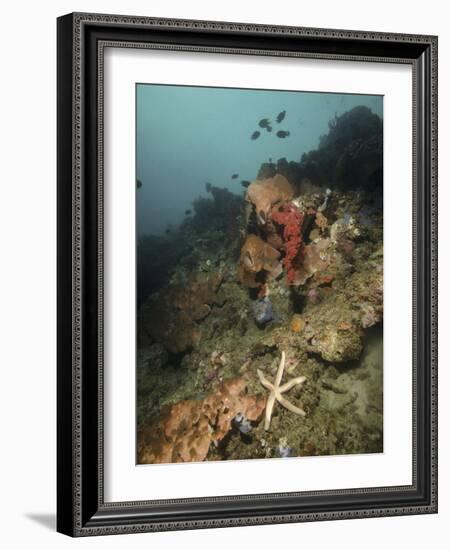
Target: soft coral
[{"x": 292, "y": 219}]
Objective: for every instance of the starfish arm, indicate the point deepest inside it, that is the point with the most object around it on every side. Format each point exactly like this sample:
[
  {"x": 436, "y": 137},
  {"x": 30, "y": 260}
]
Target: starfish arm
[
  {"x": 269, "y": 410},
  {"x": 280, "y": 371},
  {"x": 293, "y": 382},
  {"x": 290, "y": 407},
  {"x": 268, "y": 385}
]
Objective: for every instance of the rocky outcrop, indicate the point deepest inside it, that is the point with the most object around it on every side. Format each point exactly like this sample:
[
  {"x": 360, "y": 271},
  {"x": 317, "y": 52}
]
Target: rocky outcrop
[{"x": 173, "y": 316}]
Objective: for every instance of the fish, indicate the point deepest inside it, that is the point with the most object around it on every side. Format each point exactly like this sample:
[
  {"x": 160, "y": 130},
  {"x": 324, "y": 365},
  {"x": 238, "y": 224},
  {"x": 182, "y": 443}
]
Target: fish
[
  {"x": 234, "y": 176},
  {"x": 187, "y": 212},
  {"x": 280, "y": 116},
  {"x": 264, "y": 122},
  {"x": 245, "y": 183},
  {"x": 282, "y": 134},
  {"x": 269, "y": 129},
  {"x": 255, "y": 134},
  {"x": 168, "y": 231},
  {"x": 139, "y": 184}
]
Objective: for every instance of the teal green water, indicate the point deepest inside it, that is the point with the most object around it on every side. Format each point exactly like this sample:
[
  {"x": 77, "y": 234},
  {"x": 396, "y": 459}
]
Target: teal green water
[{"x": 187, "y": 136}]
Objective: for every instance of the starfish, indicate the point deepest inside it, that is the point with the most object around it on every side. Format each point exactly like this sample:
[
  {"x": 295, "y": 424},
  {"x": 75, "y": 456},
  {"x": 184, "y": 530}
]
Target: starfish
[{"x": 276, "y": 391}]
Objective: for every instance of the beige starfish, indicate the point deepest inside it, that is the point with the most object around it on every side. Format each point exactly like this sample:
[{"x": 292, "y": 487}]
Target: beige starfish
[{"x": 276, "y": 391}]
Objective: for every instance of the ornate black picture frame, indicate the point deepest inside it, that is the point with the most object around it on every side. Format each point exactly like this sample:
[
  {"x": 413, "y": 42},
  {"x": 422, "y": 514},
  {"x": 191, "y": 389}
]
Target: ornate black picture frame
[{"x": 81, "y": 509}]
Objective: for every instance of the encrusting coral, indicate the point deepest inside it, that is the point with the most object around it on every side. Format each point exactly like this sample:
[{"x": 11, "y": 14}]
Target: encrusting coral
[
  {"x": 315, "y": 258},
  {"x": 186, "y": 429},
  {"x": 257, "y": 256},
  {"x": 282, "y": 220},
  {"x": 266, "y": 194}
]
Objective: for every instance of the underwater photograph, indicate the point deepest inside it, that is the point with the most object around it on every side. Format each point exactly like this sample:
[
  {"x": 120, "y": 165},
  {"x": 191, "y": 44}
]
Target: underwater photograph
[{"x": 259, "y": 272}]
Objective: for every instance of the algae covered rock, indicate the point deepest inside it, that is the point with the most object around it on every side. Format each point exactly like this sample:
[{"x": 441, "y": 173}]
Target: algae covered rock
[
  {"x": 172, "y": 317},
  {"x": 337, "y": 345},
  {"x": 154, "y": 357},
  {"x": 351, "y": 154}
]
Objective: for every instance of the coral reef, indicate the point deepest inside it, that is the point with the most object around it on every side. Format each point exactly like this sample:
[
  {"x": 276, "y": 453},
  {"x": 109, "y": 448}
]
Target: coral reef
[
  {"x": 185, "y": 430},
  {"x": 337, "y": 343},
  {"x": 258, "y": 260},
  {"x": 267, "y": 194},
  {"x": 218, "y": 213},
  {"x": 158, "y": 257},
  {"x": 316, "y": 258},
  {"x": 172, "y": 317},
  {"x": 350, "y": 155},
  {"x": 182, "y": 435},
  {"x": 293, "y": 270},
  {"x": 292, "y": 219}
]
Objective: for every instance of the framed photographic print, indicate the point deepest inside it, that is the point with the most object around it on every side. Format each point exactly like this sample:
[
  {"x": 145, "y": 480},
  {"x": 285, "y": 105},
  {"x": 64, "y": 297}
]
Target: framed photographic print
[{"x": 246, "y": 274}]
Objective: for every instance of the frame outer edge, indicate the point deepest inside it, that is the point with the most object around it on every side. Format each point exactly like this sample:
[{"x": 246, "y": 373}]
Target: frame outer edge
[
  {"x": 434, "y": 271},
  {"x": 69, "y": 423},
  {"x": 232, "y": 26},
  {"x": 65, "y": 423},
  {"x": 77, "y": 113}
]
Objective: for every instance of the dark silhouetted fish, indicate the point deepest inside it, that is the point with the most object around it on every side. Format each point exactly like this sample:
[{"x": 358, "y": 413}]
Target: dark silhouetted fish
[
  {"x": 255, "y": 134},
  {"x": 282, "y": 134},
  {"x": 264, "y": 122},
  {"x": 245, "y": 183},
  {"x": 234, "y": 176},
  {"x": 280, "y": 116},
  {"x": 168, "y": 231},
  {"x": 139, "y": 184},
  {"x": 269, "y": 128},
  {"x": 187, "y": 212}
]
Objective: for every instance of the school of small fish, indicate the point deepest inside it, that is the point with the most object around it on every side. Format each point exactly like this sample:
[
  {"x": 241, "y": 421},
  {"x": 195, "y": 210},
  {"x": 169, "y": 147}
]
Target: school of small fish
[{"x": 266, "y": 124}]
